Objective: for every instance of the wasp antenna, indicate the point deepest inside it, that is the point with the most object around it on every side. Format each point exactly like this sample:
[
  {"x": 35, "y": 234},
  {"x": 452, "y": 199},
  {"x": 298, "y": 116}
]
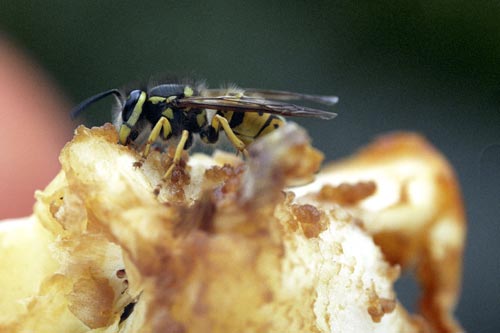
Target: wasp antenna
[{"x": 83, "y": 105}]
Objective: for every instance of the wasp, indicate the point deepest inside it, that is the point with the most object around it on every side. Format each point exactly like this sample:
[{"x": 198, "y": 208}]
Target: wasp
[{"x": 179, "y": 110}]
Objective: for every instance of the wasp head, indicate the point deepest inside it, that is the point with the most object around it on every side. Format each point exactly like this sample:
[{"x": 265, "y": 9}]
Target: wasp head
[
  {"x": 129, "y": 111},
  {"x": 130, "y": 114}
]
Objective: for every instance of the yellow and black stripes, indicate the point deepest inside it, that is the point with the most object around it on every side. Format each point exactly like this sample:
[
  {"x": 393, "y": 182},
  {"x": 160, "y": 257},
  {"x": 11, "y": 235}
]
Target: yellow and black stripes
[{"x": 248, "y": 126}]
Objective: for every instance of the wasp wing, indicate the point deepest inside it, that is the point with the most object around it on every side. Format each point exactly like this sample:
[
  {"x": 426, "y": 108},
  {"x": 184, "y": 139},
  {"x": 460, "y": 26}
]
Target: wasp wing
[
  {"x": 277, "y": 95},
  {"x": 252, "y": 104}
]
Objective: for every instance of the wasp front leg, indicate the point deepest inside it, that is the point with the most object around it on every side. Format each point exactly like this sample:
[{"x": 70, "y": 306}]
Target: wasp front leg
[
  {"x": 211, "y": 134},
  {"x": 164, "y": 124},
  {"x": 178, "y": 153}
]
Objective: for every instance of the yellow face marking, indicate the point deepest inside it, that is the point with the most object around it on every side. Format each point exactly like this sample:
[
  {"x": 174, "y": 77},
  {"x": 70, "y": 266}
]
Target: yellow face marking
[
  {"x": 188, "y": 91},
  {"x": 137, "y": 110},
  {"x": 125, "y": 129},
  {"x": 124, "y": 133}
]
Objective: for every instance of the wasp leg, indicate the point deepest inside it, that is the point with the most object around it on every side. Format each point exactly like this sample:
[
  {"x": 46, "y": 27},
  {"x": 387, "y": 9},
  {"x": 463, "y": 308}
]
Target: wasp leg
[
  {"x": 236, "y": 142},
  {"x": 178, "y": 153},
  {"x": 164, "y": 124}
]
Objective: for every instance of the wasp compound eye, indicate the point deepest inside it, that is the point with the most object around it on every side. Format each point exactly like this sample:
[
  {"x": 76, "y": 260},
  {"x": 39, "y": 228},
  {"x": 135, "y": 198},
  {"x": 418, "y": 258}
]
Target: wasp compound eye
[{"x": 130, "y": 104}]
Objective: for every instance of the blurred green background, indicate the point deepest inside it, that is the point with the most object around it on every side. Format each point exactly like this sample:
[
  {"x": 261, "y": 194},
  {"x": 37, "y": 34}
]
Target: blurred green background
[{"x": 426, "y": 66}]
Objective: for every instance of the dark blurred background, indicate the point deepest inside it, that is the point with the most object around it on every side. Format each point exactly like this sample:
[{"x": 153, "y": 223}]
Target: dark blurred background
[{"x": 427, "y": 66}]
